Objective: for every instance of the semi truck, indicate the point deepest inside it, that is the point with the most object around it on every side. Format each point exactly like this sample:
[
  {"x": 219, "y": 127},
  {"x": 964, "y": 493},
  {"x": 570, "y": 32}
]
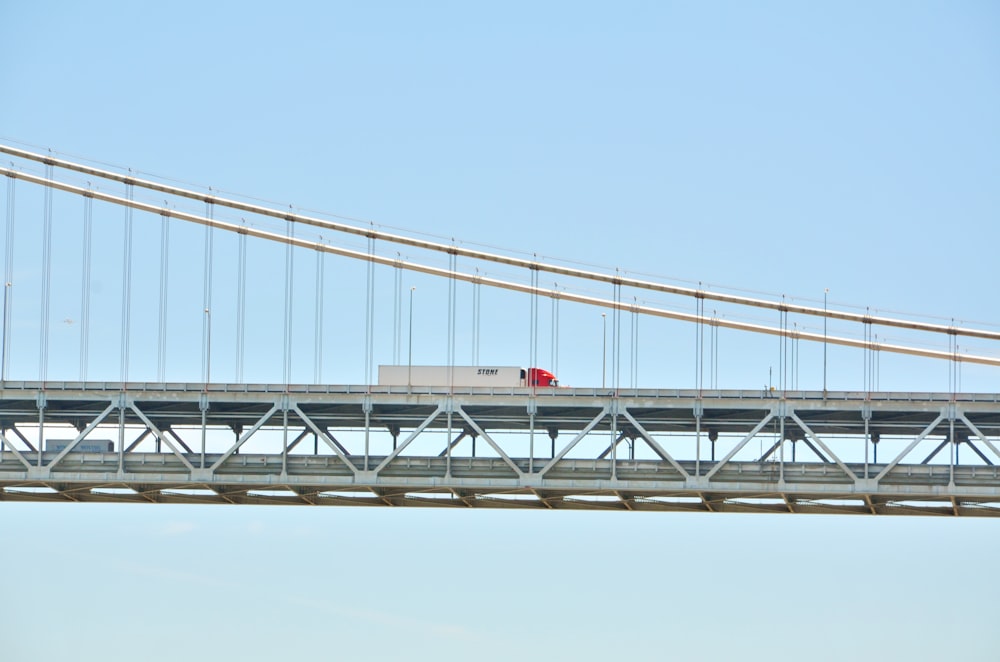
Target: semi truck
[
  {"x": 441, "y": 375},
  {"x": 85, "y": 445}
]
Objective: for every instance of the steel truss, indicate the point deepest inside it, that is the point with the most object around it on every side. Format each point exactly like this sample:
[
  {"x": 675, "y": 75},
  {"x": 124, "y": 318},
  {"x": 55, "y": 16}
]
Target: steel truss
[{"x": 550, "y": 448}]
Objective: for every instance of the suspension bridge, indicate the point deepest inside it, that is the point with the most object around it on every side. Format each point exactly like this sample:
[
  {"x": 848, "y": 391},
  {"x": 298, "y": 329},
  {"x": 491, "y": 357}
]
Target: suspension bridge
[{"x": 172, "y": 286}]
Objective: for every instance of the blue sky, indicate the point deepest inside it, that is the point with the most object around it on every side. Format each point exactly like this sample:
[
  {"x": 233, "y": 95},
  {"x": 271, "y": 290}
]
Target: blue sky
[{"x": 772, "y": 148}]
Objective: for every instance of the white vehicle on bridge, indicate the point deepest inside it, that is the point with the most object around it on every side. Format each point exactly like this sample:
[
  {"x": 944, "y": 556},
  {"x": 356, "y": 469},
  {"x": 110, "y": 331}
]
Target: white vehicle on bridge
[{"x": 439, "y": 375}]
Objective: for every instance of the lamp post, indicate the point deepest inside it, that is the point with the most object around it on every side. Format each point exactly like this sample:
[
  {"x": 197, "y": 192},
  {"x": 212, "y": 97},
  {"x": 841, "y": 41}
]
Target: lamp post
[
  {"x": 409, "y": 360},
  {"x": 604, "y": 347}
]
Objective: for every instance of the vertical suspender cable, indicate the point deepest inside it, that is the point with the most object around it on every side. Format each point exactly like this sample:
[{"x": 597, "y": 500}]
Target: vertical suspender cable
[
  {"x": 876, "y": 359},
  {"x": 711, "y": 350},
  {"x": 397, "y": 309},
  {"x": 318, "y": 353},
  {"x": 867, "y": 355},
  {"x": 206, "y": 322},
  {"x": 370, "y": 311},
  {"x": 127, "y": 282},
  {"x": 635, "y": 342},
  {"x": 555, "y": 330},
  {"x": 616, "y": 321},
  {"x": 8, "y": 293},
  {"x": 533, "y": 330},
  {"x": 476, "y": 298},
  {"x": 289, "y": 266},
  {"x": 88, "y": 232},
  {"x": 241, "y": 306},
  {"x": 795, "y": 359},
  {"x": 782, "y": 345},
  {"x": 43, "y": 355},
  {"x": 699, "y": 341},
  {"x": 555, "y": 326},
  {"x": 715, "y": 352},
  {"x": 952, "y": 372},
  {"x": 162, "y": 338},
  {"x": 452, "y": 286}
]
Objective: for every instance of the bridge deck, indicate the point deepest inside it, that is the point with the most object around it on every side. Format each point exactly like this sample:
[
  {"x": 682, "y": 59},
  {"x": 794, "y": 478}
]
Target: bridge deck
[{"x": 746, "y": 451}]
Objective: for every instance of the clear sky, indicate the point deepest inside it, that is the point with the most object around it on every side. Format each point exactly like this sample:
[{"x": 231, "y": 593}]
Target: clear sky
[{"x": 774, "y": 148}]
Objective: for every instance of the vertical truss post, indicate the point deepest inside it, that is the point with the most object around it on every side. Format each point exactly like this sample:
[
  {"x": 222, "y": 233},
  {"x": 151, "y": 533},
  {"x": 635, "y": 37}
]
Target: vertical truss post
[
  {"x": 40, "y": 401},
  {"x": 532, "y": 410},
  {"x": 614, "y": 432},
  {"x": 781, "y": 442},
  {"x": 447, "y": 459},
  {"x": 699, "y": 410},
  {"x": 203, "y": 406},
  {"x": 366, "y": 404},
  {"x": 121, "y": 432},
  {"x": 284, "y": 436},
  {"x": 866, "y": 413},
  {"x": 954, "y": 445}
]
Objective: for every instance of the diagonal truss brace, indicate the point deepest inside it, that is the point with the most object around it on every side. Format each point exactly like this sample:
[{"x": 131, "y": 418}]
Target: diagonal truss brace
[
  {"x": 450, "y": 446},
  {"x": 913, "y": 444},
  {"x": 24, "y": 440},
  {"x": 654, "y": 445},
  {"x": 325, "y": 436},
  {"x": 750, "y": 435},
  {"x": 246, "y": 435},
  {"x": 9, "y": 446},
  {"x": 80, "y": 437},
  {"x": 493, "y": 444},
  {"x": 159, "y": 435},
  {"x": 819, "y": 442},
  {"x": 583, "y": 433},
  {"x": 613, "y": 445},
  {"x": 975, "y": 431},
  {"x": 413, "y": 435}
]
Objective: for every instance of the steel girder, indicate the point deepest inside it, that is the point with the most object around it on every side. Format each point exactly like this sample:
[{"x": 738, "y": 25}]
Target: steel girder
[{"x": 231, "y": 444}]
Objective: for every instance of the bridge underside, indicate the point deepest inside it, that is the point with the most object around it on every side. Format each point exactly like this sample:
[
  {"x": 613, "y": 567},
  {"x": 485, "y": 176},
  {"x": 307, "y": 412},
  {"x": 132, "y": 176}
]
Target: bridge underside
[{"x": 669, "y": 450}]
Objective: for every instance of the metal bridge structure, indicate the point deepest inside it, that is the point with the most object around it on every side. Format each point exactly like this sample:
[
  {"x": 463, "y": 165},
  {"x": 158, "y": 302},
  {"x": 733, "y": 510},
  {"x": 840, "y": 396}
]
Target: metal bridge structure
[{"x": 72, "y": 432}]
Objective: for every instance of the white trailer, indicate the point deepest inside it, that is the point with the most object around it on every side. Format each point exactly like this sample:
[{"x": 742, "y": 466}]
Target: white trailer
[
  {"x": 438, "y": 375},
  {"x": 85, "y": 445}
]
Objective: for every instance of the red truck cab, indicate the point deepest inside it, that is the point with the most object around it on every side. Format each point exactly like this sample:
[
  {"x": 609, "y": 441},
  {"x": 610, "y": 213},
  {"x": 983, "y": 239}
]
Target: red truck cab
[{"x": 539, "y": 377}]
